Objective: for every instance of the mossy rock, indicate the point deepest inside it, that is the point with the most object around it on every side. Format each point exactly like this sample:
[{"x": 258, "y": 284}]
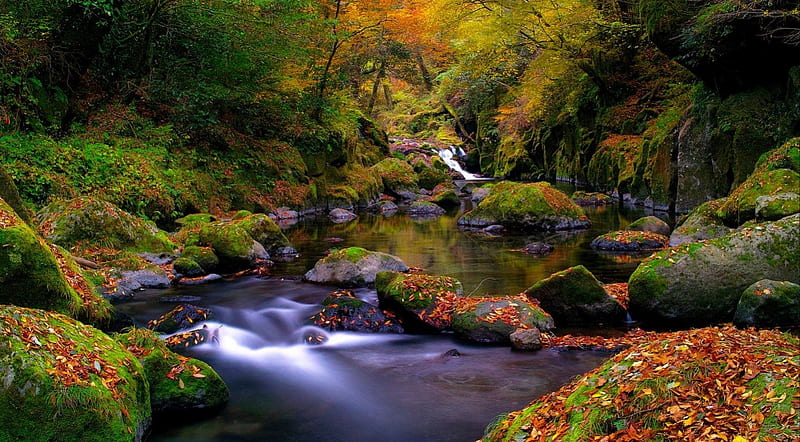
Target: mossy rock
[
  {"x": 188, "y": 267},
  {"x": 398, "y": 176},
  {"x": 650, "y": 224},
  {"x": 583, "y": 198},
  {"x": 234, "y": 247},
  {"x": 342, "y": 310},
  {"x": 446, "y": 199},
  {"x": 701, "y": 283},
  {"x": 492, "y": 320},
  {"x": 630, "y": 241},
  {"x": 181, "y": 317},
  {"x": 88, "y": 220},
  {"x": 424, "y": 302},
  {"x": 178, "y": 385},
  {"x": 740, "y": 206},
  {"x": 203, "y": 256},
  {"x": 264, "y": 230},
  {"x": 67, "y": 381},
  {"x": 775, "y": 207},
  {"x": 575, "y": 296},
  {"x": 424, "y": 209},
  {"x": 241, "y": 214},
  {"x": 769, "y": 303},
  {"x": 700, "y": 224},
  {"x": 195, "y": 219},
  {"x": 430, "y": 177},
  {"x": 526, "y": 206},
  {"x": 353, "y": 267},
  {"x": 33, "y": 275}
]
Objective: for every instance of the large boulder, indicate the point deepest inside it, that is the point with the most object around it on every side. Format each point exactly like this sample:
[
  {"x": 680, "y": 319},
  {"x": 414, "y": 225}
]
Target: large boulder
[
  {"x": 650, "y": 224},
  {"x": 342, "y": 310},
  {"x": 775, "y": 207},
  {"x": 38, "y": 275},
  {"x": 700, "y": 224},
  {"x": 630, "y": 241},
  {"x": 204, "y": 257},
  {"x": 575, "y": 296},
  {"x": 424, "y": 209},
  {"x": 353, "y": 267},
  {"x": 88, "y": 220},
  {"x": 234, "y": 247},
  {"x": 701, "y": 283},
  {"x": 492, "y": 320},
  {"x": 66, "y": 381},
  {"x": 530, "y": 206},
  {"x": 399, "y": 178},
  {"x": 263, "y": 229},
  {"x": 178, "y": 385},
  {"x": 424, "y": 302},
  {"x": 769, "y": 303}
]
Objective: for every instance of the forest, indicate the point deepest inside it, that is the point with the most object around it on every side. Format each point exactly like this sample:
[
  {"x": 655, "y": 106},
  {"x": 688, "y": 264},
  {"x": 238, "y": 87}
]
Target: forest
[{"x": 149, "y": 148}]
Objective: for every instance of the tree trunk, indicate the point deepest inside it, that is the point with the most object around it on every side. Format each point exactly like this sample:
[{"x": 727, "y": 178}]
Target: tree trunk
[
  {"x": 378, "y": 77},
  {"x": 426, "y": 76}
]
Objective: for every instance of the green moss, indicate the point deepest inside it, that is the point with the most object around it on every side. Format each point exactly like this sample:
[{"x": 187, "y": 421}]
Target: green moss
[
  {"x": 264, "y": 230},
  {"x": 188, "y": 267},
  {"x": 230, "y": 242},
  {"x": 397, "y": 175},
  {"x": 77, "y": 384},
  {"x": 241, "y": 214},
  {"x": 415, "y": 290},
  {"x": 203, "y": 256},
  {"x": 195, "y": 219},
  {"x": 430, "y": 177},
  {"x": 352, "y": 254},
  {"x": 740, "y": 206},
  {"x": 178, "y": 384}
]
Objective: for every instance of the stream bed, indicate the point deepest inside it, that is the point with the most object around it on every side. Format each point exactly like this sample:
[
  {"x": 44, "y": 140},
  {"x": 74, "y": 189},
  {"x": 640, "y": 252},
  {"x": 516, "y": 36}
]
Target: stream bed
[{"x": 363, "y": 387}]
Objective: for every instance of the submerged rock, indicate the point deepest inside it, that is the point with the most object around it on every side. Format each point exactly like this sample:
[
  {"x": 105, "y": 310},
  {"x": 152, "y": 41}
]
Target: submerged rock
[
  {"x": 181, "y": 317},
  {"x": 769, "y": 303},
  {"x": 342, "y": 310},
  {"x": 492, "y": 320},
  {"x": 531, "y": 206},
  {"x": 422, "y": 209},
  {"x": 537, "y": 248},
  {"x": 341, "y": 215},
  {"x": 353, "y": 267},
  {"x": 384, "y": 207},
  {"x": 630, "y": 241},
  {"x": 575, "y": 296},
  {"x": 67, "y": 381},
  {"x": 701, "y": 283}
]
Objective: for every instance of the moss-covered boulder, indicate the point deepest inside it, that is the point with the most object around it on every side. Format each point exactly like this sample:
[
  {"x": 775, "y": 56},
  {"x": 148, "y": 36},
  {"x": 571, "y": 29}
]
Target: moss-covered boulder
[
  {"x": 181, "y": 317},
  {"x": 195, "y": 219},
  {"x": 740, "y": 206},
  {"x": 384, "y": 207},
  {"x": 231, "y": 243},
  {"x": 353, "y": 267},
  {"x": 430, "y": 177},
  {"x": 263, "y": 229},
  {"x": 423, "y": 302},
  {"x": 178, "y": 385},
  {"x": 575, "y": 296},
  {"x": 446, "y": 198},
  {"x": 342, "y": 310},
  {"x": 188, "y": 267},
  {"x": 650, "y": 224},
  {"x": 88, "y": 220},
  {"x": 775, "y": 207},
  {"x": 673, "y": 386},
  {"x": 35, "y": 274},
  {"x": 700, "y": 224},
  {"x": 769, "y": 303},
  {"x": 701, "y": 283},
  {"x": 528, "y": 206},
  {"x": 583, "y": 198},
  {"x": 203, "y": 256},
  {"x": 492, "y": 320},
  {"x": 399, "y": 178},
  {"x": 630, "y": 241},
  {"x": 66, "y": 381},
  {"x": 424, "y": 209}
]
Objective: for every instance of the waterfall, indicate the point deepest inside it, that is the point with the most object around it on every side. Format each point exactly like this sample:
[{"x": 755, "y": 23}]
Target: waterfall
[{"x": 446, "y": 154}]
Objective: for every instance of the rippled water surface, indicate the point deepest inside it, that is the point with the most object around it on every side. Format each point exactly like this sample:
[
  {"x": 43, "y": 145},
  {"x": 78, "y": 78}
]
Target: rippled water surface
[{"x": 359, "y": 387}]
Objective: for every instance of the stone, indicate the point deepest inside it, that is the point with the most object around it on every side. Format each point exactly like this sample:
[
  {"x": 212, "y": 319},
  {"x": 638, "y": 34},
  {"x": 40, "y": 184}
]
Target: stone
[
  {"x": 700, "y": 224},
  {"x": 630, "y": 241},
  {"x": 526, "y": 339},
  {"x": 263, "y": 230},
  {"x": 582, "y": 198},
  {"x": 384, "y": 207},
  {"x": 181, "y": 317},
  {"x": 650, "y": 224},
  {"x": 231, "y": 243},
  {"x": 202, "y": 256},
  {"x": 353, "y": 267},
  {"x": 538, "y": 249},
  {"x": 342, "y": 310},
  {"x": 424, "y": 209},
  {"x": 492, "y": 320},
  {"x": 575, "y": 296},
  {"x": 769, "y": 303},
  {"x": 341, "y": 215},
  {"x": 423, "y": 302},
  {"x": 775, "y": 207}
]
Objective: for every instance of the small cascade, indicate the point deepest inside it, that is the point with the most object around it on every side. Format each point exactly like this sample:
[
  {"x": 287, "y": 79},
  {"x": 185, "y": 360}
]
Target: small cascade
[
  {"x": 447, "y": 154},
  {"x": 628, "y": 319}
]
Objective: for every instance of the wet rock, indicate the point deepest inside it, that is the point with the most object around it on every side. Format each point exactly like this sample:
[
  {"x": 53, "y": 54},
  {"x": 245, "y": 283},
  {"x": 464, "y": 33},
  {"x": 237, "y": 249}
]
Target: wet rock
[
  {"x": 202, "y": 256},
  {"x": 529, "y": 206},
  {"x": 341, "y": 215},
  {"x": 211, "y": 277},
  {"x": 399, "y": 178},
  {"x": 479, "y": 194},
  {"x": 263, "y": 229},
  {"x": 286, "y": 213},
  {"x": 187, "y": 267},
  {"x": 149, "y": 279},
  {"x": 446, "y": 198},
  {"x": 492, "y": 320},
  {"x": 700, "y": 224},
  {"x": 526, "y": 339},
  {"x": 384, "y": 207},
  {"x": 538, "y": 249},
  {"x": 181, "y": 299},
  {"x": 452, "y": 353},
  {"x": 422, "y": 209},
  {"x": 158, "y": 259},
  {"x": 231, "y": 243},
  {"x": 188, "y": 339},
  {"x": 701, "y": 283},
  {"x": 630, "y": 241},
  {"x": 494, "y": 229},
  {"x": 314, "y": 337},
  {"x": 285, "y": 254},
  {"x": 650, "y": 224},
  {"x": 423, "y": 302},
  {"x": 775, "y": 207},
  {"x": 769, "y": 303},
  {"x": 353, "y": 267},
  {"x": 582, "y": 198},
  {"x": 575, "y": 296},
  {"x": 342, "y": 310},
  {"x": 181, "y": 317}
]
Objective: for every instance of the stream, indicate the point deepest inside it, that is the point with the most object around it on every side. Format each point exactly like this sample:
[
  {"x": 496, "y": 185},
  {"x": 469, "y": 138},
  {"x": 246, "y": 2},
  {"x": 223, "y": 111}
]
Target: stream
[{"x": 365, "y": 387}]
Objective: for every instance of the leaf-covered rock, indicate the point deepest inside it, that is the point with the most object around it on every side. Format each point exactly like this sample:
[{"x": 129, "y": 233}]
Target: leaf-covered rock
[
  {"x": 575, "y": 296},
  {"x": 203, "y": 256},
  {"x": 353, "y": 267},
  {"x": 650, "y": 224},
  {"x": 492, "y": 320},
  {"x": 399, "y": 178},
  {"x": 66, "y": 381},
  {"x": 630, "y": 241},
  {"x": 701, "y": 283},
  {"x": 423, "y": 209},
  {"x": 583, "y": 198},
  {"x": 769, "y": 303},
  {"x": 181, "y": 317},
  {"x": 178, "y": 385},
  {"x": 231, "y": 243},
  {"x": 531, "y": 206},
  {"x": 342, "y": 310},
  {"x": 85, "y": 219},
  {"x": 424, "y": 302}
]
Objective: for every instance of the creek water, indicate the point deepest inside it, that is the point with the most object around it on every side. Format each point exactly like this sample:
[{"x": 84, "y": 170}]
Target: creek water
[{"x": 362, "y": 387}]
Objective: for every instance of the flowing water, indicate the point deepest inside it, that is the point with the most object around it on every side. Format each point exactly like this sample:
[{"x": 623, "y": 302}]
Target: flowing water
[{"x": 361, "y": 387}]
